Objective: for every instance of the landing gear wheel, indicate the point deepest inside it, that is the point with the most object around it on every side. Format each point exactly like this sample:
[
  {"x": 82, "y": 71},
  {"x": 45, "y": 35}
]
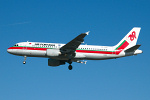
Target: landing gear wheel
[
  {"x": 24, "y": 62},
  {"x": 70, "y": 67},
  {"x": 25, "y": 57}
]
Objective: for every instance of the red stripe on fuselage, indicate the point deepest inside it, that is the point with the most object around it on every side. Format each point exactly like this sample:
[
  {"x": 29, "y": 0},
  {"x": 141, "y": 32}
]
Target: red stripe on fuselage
[
  {"x": 123, "y": 46},
  {"x": 44, "y": 49},
  {"x": 28, "y": 48},
  {"x": 99, "y": 52}
]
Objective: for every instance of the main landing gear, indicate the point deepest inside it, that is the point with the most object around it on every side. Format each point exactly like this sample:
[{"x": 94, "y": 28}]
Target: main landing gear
[
  {"x": 70, "y": 66},
  {"x": 25, "y": 57}
]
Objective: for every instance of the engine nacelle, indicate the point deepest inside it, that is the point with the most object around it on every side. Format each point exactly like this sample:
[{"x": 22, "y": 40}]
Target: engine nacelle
[
  {"x": 53, "y": 62},
  {"x": 53, "y": 52}
]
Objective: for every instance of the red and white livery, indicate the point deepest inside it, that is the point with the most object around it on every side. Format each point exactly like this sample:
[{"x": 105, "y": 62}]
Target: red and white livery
[{"x": 73, "y": 51}]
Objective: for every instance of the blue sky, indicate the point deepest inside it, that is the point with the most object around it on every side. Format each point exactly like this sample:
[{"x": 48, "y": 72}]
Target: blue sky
[{"x": 60, "y": 21}]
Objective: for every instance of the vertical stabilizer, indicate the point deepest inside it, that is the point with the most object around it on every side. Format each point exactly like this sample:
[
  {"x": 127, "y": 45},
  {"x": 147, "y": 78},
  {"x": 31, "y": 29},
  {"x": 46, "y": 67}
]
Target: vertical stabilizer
[{"x": 129, "y": 40}]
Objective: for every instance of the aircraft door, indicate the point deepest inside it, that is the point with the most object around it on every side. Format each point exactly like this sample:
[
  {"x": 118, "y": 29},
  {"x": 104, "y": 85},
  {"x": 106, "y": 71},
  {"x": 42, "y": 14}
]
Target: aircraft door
[{"x": 24, "y": 46}]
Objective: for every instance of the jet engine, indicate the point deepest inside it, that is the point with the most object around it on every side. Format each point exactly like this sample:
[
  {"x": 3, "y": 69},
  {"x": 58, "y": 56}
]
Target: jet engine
[
  {"x": 53, "y": 62},
  {"x": 53, "y": 52}
]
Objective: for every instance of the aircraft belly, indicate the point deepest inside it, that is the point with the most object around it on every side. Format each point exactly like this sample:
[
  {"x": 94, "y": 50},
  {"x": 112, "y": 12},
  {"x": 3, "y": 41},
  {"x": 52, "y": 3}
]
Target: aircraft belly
[
  {"x": 36, "y": 53},
  {"x": 91, "y": 56},
  {"x": 80, "y": 56}
]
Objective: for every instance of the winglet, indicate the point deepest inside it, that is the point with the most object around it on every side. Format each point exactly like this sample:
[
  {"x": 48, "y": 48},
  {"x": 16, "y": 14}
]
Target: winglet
[{"x": 87, "y": 32}]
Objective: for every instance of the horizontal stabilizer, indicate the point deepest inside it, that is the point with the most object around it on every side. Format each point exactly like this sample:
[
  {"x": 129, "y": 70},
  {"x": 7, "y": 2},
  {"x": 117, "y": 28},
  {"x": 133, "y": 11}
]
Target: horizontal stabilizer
[{"x": 133, "y": 48}]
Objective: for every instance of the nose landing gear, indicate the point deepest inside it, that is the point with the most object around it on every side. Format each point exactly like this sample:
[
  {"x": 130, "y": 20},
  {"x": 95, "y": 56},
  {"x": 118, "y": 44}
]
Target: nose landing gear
[
  {"x": 24, "y": 62},
  {"x": 25, "y": 57}
]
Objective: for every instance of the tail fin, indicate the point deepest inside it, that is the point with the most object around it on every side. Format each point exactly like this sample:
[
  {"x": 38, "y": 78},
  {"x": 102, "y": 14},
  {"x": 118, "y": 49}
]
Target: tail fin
[{"x": 129, "y": 40}]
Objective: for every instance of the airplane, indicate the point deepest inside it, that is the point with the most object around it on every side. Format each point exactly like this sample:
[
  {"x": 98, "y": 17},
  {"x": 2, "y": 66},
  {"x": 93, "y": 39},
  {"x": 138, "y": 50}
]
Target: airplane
[{"x": 74, "y": 51}]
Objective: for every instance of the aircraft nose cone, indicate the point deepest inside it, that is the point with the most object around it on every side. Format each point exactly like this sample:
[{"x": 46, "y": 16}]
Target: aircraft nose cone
[{"x": 9, "y": 50}]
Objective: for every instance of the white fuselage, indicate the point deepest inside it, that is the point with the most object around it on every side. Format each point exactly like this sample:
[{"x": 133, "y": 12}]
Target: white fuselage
[
  {"x": 73, "y": 51},
  {"x": 88, "y": 52}
]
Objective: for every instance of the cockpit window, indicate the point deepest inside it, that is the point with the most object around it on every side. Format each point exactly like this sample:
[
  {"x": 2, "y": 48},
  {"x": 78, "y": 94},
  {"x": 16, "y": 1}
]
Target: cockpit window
[{"x": 16, "y": 45}]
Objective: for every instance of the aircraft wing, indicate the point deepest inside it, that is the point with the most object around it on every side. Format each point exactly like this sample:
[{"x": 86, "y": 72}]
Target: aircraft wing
[{"x": 71, "y": 46}]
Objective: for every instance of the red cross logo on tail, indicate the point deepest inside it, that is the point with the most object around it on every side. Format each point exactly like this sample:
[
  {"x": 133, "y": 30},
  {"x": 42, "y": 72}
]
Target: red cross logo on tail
[{"x": 132, "y": 36}]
